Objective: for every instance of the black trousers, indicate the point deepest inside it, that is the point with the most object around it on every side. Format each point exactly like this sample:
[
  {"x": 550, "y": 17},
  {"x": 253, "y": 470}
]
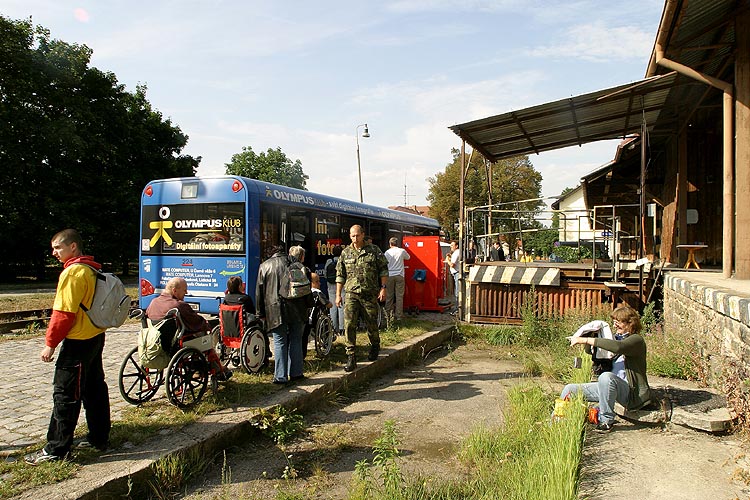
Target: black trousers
[{"x": 79, "y": 379}]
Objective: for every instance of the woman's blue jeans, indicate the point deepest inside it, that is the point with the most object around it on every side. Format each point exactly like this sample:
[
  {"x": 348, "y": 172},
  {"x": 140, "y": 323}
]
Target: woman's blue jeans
[{"x": 606, "y": 390}]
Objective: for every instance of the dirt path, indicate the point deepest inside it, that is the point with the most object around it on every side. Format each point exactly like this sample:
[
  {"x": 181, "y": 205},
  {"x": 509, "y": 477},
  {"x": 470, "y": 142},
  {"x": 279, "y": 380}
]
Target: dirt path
[
  {"x": 651, "y": 463},
  {"x": 438, "y": 403}
]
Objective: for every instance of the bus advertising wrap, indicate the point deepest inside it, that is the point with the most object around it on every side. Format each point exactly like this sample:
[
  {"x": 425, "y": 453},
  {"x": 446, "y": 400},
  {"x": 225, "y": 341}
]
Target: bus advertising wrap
[{"x": 199, "y": 228}]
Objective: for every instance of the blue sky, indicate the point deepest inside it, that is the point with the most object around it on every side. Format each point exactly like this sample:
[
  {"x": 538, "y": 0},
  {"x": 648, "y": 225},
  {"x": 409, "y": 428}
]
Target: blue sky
[{"x": 303, "y": 75}]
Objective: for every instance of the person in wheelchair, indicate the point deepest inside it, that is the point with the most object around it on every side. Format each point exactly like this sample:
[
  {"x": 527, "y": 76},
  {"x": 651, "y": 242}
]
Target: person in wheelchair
[
  {"x": 172, "y": 298},
  {"x": 321, "y": 305},
  {"x": 235, "y": 296}
]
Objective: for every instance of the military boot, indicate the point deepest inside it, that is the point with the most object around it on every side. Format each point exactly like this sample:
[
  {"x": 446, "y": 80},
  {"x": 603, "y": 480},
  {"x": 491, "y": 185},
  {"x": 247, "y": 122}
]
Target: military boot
[
  {"x": 351, "y": 363},
  {"x": 374, "y": 351}
]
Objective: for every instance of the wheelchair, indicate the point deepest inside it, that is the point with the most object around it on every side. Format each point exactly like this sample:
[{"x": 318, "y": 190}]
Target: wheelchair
[
  {"x": 241, "y": 339},
  {"x": 382, "y": 320},
  {"x": 322, "y": 330},
  {"x": 191, "y": 367}
]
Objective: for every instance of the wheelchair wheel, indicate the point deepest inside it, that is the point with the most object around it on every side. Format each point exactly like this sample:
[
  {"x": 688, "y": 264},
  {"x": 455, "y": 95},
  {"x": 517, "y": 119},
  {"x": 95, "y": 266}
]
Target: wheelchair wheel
[
  {"x": 138, "y": 384},
  {"x": 382, "y": 322},
  {"x": 187, "y": 377},
  {"x": 324, "y": 335},
  {"x": 254, "y": 351},
  {"x": 222, "y": 351}
]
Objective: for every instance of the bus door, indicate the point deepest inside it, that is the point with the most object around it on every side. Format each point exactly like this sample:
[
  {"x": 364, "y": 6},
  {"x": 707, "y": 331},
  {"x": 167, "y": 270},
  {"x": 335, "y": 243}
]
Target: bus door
[
  {"x": 327, "y": 238},
  {"x": 378, "y": 231}
]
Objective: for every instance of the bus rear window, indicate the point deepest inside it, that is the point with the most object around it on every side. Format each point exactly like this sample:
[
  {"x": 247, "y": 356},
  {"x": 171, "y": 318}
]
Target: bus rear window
[{"x": 194, "y": 228}]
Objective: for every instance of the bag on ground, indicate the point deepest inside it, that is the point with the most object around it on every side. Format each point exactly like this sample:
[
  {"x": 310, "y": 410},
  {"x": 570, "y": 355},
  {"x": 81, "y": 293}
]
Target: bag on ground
[{"x": 110, "y": 306}]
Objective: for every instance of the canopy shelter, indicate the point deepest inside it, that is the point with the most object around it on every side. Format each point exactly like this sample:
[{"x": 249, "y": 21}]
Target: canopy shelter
[{"x": 605, "y": 114}]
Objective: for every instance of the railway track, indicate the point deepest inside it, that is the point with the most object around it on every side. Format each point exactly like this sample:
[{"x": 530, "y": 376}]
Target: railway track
[
  {"x": 11, "y": 322},
  {"x": 19, "y": 320}
]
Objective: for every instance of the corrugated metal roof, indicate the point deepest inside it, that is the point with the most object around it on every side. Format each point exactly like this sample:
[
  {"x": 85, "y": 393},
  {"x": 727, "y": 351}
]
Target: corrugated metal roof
[
  {"x": 605, "y": 114},
  {"x": 700, "y": 35}
]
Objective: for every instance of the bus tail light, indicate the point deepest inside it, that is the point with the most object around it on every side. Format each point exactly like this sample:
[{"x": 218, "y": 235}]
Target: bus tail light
[
  {"x": 236, "y": 186},
  {"x": 149, "y": 191},
  {"x": 146, "y": 288}
]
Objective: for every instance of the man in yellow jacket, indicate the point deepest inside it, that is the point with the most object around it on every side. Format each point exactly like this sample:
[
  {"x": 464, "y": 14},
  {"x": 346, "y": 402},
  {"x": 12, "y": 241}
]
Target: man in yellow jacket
[{"x": 79, "y": 375}]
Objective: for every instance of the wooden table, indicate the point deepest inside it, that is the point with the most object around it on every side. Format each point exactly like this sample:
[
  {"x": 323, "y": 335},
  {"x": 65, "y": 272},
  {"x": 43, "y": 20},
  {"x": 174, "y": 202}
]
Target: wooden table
[{"x": 691, "y": 254}]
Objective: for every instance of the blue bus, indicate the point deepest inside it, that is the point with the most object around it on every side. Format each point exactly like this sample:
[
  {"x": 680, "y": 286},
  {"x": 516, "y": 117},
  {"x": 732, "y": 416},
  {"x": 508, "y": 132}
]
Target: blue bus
[{"x": 206, "y": 229}]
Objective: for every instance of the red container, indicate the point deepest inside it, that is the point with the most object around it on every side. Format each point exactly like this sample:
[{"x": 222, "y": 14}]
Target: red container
[
  {"x": 424, "y": 274},
  {"x": 593, "y": 416}
]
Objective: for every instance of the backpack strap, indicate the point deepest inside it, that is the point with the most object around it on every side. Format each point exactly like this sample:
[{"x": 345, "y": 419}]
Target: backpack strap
[{"x": 97, "y": 275}]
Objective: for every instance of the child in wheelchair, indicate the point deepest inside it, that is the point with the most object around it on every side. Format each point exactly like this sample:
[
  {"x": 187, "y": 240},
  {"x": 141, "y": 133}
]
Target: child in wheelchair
[{"x": 320, "y": 306}]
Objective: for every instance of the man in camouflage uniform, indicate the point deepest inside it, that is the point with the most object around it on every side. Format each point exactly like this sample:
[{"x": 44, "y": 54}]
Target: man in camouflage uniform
[{"x": 362, "y": 272}]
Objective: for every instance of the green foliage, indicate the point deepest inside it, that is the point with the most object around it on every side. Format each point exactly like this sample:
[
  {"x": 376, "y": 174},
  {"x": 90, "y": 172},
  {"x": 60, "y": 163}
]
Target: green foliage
[
  {"x": 18, "y": 477},
  {"x": 76, "y": 149},
  {"x": 542, "y": 242},
  {"x": 529, "y": 457},
  {"x": 173, "y": 472},
  {"x": 385, "y": 459},
  {"x": 273, "y": 166},
  {"x": 539, "y": 341},
  {"x": 504, "y": 335},
  {"x": 668, "y": 355},
  {"x": 574, "y": 254},
  {"x": 279, "y": 424},
  {"x": 513, "y": 179}
]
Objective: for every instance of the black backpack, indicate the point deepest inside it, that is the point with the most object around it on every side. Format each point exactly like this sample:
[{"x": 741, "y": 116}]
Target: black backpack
[
  {"x": 601, "y": 365},
  {"x": 331, "y": 272}
]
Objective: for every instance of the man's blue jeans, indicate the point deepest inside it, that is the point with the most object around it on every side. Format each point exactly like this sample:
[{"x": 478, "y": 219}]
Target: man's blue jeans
[
  {"x": 606, "y": 390},
  {"x": 287, "y": 350}
]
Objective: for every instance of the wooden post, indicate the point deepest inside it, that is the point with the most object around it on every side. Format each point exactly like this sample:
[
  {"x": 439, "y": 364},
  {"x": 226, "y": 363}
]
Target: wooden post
[{"x": 742, "y": 141}]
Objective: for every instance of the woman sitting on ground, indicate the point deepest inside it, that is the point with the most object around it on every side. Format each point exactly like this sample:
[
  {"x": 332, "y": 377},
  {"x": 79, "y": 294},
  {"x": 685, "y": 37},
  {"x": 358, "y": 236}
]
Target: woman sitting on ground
[{"x": 627, "y": 383}]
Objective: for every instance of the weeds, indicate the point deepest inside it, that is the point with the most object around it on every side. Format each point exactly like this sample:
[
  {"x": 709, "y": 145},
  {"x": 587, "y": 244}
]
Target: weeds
[
  {"x": 279, "y": 424},
  {"x": 667, "y": 355},
  {"x": 385, "y": 459},
  {"x": 171, "y": 473}
]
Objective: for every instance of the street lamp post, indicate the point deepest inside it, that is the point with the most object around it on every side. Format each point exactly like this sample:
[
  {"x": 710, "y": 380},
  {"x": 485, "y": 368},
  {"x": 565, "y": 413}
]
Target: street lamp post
[{"x": 365, "y": 133}]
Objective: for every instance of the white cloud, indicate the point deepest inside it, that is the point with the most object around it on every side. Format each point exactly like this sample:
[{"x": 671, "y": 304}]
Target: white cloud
[
  {"x": 598, "y": 42},
  {"x": 440, "y": 99}
]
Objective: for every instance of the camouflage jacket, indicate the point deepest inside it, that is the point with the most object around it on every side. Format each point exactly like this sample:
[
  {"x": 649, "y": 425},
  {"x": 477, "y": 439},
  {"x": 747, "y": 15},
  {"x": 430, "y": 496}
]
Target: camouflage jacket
[{"x": 360, "y": 270}]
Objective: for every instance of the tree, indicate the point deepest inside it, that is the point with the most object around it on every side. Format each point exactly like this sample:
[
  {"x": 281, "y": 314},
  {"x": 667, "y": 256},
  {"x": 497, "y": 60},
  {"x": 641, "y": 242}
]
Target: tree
[
  {"x": 76, "y": 150},
  {"x": 273, "y": 166},
  {"x": 513, "y": 179}
]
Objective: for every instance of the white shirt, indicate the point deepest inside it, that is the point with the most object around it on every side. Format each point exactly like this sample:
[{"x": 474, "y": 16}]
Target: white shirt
[
  {"x": 396, "y": 257},
  {"x": 454, "y": 260}
]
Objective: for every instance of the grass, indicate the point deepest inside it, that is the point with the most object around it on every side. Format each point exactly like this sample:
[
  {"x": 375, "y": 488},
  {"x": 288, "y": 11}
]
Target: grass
[
  {"x": 530, "y": 457},
  {"x": 16, "y": 477},
  {"x": 668, "y": 355}
]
